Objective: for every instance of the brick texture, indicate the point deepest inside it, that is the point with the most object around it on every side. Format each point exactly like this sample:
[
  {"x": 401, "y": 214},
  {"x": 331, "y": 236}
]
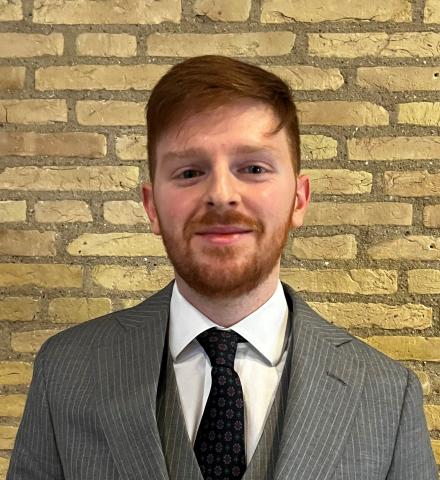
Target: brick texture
[
  {"x": 223, "y": 10},
  {"x": 30, "y": 45},
  {"x": 234, "y": 45},
  {"x": 367, "y": 315},
  {"x": 336, "y": 247},
  {"x": 71, "y": 144},
  {"x": 363, "y": 282},
  {"x": 342, "y": 113},
  {"x": 398, "y": 79},
  {"x": 33, "y": 111},
  {"x": 106, "y": 45},
  {"x": 12, "y": 78},
  {"x": 7, "y": 437},
  {"x": 389, "y": 213},
  {"x": 279, "y": 11},
  {"x": 380, "y": 44},
  {"x": 12, "y": 211},
  {"x": 12, "y": 405},
  {"x": 75, "y": 240}
]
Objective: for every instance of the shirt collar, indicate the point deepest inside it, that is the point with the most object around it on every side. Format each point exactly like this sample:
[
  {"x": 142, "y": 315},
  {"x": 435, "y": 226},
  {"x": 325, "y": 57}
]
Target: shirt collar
[{"x": 264, "y": 328}]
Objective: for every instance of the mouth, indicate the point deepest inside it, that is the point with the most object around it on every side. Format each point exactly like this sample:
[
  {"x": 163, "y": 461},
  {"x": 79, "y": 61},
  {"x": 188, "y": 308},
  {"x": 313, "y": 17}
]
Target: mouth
[{"x": 223, "y": 234}]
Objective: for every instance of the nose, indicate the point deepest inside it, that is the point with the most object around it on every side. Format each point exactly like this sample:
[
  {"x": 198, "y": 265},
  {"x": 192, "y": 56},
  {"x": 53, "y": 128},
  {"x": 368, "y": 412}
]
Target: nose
[{"x": 222, "y": 188}]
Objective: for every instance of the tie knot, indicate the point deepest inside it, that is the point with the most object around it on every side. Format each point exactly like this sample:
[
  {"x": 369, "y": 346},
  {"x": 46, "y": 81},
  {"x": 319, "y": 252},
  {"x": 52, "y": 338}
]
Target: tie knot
[{"x": 220, "y": 346}]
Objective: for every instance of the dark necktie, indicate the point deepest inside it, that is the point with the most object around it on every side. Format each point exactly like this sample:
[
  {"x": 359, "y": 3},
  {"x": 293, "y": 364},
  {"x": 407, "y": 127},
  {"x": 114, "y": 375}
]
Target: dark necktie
[{"x": 220, "y": 446}]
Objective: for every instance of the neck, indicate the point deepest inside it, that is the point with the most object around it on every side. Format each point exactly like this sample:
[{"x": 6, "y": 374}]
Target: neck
[{"x": 228, "y": 311}]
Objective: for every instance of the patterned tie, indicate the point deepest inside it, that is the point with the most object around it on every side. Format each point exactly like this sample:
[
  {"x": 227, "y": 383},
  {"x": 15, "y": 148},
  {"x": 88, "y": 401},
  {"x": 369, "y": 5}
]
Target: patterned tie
[{"x": 219, "y": 446}]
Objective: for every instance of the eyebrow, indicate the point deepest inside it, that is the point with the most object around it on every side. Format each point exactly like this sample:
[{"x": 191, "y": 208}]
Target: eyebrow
[{"x": 201, "y": 153}]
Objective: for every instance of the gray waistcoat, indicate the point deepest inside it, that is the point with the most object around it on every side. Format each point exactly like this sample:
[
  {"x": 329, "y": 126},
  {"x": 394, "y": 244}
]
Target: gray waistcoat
[{"x": 179, "y": 454}]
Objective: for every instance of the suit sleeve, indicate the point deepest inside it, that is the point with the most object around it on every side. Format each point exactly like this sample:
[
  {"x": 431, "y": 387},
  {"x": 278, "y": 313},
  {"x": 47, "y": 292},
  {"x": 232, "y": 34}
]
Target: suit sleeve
[
  {"x": 35, "y": 455},
  {"x": 413, "y": 457}
]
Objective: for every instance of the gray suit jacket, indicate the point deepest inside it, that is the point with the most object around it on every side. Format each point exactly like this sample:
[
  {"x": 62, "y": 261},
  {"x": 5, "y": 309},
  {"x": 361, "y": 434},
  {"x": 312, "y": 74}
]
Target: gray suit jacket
[{"x": 351, "y": 412}]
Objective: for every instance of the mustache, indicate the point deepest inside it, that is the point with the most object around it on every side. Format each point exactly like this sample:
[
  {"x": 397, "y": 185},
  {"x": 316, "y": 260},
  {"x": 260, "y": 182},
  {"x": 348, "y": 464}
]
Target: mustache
[{"x": 230, "y": 217}]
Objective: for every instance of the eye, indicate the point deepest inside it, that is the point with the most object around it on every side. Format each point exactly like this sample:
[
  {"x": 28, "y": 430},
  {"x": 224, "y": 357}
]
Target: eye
[
  {"x": 255, "y": 169},
  {"x": 189, "y": 173}
]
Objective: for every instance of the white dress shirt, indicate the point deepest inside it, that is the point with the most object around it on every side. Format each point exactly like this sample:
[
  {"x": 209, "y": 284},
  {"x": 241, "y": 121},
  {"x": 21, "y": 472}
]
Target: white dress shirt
[{"x": 259, "y": 363}]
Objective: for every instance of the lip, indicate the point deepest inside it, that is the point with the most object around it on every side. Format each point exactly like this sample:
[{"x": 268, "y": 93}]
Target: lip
[{"x": 223, "y": 230}]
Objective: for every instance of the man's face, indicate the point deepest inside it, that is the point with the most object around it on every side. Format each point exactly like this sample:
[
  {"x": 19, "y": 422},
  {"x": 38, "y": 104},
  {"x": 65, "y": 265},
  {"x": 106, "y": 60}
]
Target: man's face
[{"x": 225, "y": 197}]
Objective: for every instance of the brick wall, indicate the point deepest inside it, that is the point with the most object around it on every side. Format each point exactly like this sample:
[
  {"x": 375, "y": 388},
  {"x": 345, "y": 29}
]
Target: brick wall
[{"x": 74, "y": 241}]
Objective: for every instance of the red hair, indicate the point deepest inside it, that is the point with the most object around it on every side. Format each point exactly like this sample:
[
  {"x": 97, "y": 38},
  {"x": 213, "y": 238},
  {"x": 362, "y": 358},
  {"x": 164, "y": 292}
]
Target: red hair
[{"x": 206, "y": 82}]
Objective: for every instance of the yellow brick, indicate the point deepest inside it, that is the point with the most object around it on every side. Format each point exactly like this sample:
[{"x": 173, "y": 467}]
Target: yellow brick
[
  {"x": 223, "y": 10},
  {"x": 432, "y": 15},
  {"x": 424, "y": 280},
  {"x": 363, "y": 282},
  {"x": 7, "y": 437},
  {"x": 374, "y": 213},
  {"x": 339, "y": 182},
  {"x": 412, "y": 184},
  {"x": 131, "y": 147},
  {"x": 302, "y": 77},
  {"x": 30, "y": 45},
  {"x": 15, "y": 373},
  {"x": 337, "y": 247},
  {"x": 19, "y": 308},
  {"x": 431, "y": 216},
  {"x": 432, "y": 413},
  {"x": 130, "y": 302},
  {"x": 62, "y": 211},
  {"x": 11, "y": 10},
  {"x": 125, "y": 212},
  {"x": 70, "y": 144},
  {"x": 99, "y": 77},
  {"x": 30, "y": 342},
  {"x": 4, "y": 466},
  {"x": 377, "y": 44},
  {"x": 407, "y": 348},
  {"x": 12, "y": 405},
  {"x": 424, "y": 381},
  {"x": 394, "y": 148},
  {"x": 110, "y": 112},
  {"x": 108, "y": 12},
  {"x": 436, "y": 449},
  {"x": 318, "y": 147},
  {"x": 342, "y": 113},
  {"x": 419, "y": 113},
  {"x": 368, "y": 315},
  {"x": 76, "y": 310},
  {"x": 399, "y": 79},
  {"x": 12, "y": 211},
  {"x": 41, "y": 275},
  {"x": 280, "y": 11},
  {"x": 28, "y": 243},
  {"x": 106, "y": 44},
  {"x": 115, "y": 277},
  {"x": 70, "y": 178},
  {"x": 33, "y": 111},
  {"x": 12, "y": 78},
  {"x": 117, "y": 244},
  {"x": 230, "y": 44},
  {"x": 411, "y": 247}
]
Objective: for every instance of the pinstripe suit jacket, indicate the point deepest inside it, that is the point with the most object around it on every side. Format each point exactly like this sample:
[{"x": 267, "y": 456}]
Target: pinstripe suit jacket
[{"x": 351, "y": 412}]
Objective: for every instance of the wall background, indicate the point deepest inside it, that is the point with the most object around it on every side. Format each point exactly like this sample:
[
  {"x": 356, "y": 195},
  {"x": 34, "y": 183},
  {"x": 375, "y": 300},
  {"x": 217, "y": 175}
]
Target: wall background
[{"x": 74, "y": 242}]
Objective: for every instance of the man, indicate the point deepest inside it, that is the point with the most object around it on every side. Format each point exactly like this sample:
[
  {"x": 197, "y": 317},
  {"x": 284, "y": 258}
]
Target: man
[{"x": 225, "y": 373}]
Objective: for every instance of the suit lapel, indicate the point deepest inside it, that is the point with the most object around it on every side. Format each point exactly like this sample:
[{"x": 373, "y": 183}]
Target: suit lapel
[
  {"x": 324, "y": 392},
  {"x": 128, "y": 368}
]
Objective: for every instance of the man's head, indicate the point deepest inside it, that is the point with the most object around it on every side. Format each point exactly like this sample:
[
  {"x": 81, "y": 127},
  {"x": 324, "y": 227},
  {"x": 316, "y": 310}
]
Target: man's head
[
  {"x": 204, "y": 83},
  {"x": 225, "y": 186}
]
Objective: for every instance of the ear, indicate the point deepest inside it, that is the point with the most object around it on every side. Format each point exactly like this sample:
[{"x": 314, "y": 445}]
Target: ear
[
  {"x": 150, "y": 207},
  {"x": 302, "y": 200}
]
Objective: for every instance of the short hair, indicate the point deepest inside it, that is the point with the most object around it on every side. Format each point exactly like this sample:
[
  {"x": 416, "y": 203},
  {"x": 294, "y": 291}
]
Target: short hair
[{"x": 206, "y": 82}]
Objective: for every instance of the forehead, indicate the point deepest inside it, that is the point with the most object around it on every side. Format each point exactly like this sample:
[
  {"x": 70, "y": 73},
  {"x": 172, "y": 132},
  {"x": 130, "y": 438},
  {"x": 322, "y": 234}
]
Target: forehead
[{"x": 244, "y": 122}]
